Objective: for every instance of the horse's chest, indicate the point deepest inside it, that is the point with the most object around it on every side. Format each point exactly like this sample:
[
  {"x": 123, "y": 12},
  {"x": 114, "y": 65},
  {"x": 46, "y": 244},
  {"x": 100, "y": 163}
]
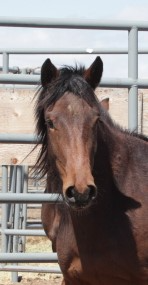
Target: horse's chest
[
  {"x": 97, "y": 251},
  {"x": 94, "y": 269},
  {"x": 85, "y": 250}
]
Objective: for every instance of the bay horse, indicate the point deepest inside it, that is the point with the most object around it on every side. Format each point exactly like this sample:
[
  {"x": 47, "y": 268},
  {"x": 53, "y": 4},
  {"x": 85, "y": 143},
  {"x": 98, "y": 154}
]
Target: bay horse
[{"x": 100, "y": 230}]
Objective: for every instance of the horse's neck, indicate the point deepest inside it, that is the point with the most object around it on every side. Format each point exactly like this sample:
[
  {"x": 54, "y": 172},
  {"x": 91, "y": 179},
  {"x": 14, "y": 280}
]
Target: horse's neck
[
  {"x": 111, "y": 160},
  {"x": 117, "y": 170}
]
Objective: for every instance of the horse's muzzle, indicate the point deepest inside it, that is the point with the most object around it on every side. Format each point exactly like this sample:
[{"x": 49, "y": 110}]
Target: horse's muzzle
[{"x": 80, "y": 200}]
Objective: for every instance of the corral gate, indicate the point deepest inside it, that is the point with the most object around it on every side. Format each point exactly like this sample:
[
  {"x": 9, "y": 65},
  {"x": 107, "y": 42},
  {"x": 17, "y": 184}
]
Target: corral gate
[{"x": 21, "y": 196}]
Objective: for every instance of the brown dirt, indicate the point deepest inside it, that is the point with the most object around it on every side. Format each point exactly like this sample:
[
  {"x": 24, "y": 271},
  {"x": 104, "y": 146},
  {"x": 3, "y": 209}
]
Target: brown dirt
[
  {"x": 31, "y": 279},
  {"x": 35, "y": 281}
]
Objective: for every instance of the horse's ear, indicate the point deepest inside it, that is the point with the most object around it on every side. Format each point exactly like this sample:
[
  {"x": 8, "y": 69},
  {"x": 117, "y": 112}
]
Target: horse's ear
[
  {"x": 48, "y": 72},
  {"x": 94, "y": 73},
  {"x": 105, "y": 103}
]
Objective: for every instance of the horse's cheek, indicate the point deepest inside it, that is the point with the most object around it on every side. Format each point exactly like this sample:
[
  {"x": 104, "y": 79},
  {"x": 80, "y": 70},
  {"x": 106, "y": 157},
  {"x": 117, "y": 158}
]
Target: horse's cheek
[{"x": 54, "y": 143}]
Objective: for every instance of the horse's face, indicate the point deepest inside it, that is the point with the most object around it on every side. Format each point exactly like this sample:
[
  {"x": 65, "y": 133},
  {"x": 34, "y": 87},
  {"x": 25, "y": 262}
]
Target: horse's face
[
  {"x": 71, "y": 132},
  {"x": 71, "y": 127}
]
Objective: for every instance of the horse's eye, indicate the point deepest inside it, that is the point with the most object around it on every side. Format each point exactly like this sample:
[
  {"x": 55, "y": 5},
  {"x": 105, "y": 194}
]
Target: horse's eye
[{"x": 50, "y": 124}]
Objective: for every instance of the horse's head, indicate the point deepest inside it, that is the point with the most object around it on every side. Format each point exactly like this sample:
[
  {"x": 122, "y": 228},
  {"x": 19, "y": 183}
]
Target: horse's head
[{"x": 71, "y": 113}]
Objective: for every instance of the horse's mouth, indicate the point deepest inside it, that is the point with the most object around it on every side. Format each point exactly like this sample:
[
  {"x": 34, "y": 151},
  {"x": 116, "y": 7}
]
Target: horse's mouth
[{"x": 79, "y": 206}]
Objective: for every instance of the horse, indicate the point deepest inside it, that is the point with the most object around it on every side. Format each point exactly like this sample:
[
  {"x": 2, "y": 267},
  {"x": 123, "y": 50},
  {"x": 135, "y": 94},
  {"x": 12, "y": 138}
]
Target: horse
[{"x": 100, "y": 229}]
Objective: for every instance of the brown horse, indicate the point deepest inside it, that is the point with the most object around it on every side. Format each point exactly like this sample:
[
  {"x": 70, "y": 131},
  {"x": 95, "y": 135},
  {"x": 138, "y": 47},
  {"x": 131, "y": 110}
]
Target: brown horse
[{"x": 100, "y": 231}]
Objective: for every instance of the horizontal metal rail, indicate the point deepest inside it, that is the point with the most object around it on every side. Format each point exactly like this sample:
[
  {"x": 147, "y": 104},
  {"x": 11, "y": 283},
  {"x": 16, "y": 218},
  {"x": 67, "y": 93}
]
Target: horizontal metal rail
[
  {"x": 20, "y": 79},
  {"x": 18, "y": 138},
  {"x": 23, "y": 232},
  {"x": 106, "y": 82},
  {"x": 28, "y": 257},
  {"x": 26, "y": 268},
  {"x": 33, "y": 225},
  {"x": 71, "y": 23},
  {"x": 57, "y": 51},
  {"x": 30, "y": 198}
]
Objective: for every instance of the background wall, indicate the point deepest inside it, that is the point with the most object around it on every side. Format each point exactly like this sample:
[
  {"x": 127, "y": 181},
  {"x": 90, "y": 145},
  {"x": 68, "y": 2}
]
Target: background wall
[{"x": 17, "y": 116}]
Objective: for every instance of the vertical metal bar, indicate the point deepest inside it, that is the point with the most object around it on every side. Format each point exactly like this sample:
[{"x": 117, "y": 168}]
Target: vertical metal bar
[
  {"x": 17, "y": 218},
  {"x": 5, "y": 62},
  {"x": 4, "y": 208},
  {"x": 11, "y": 207},
  {"x": 24, "y": 211},
  {"x": 133, "y": 73}
]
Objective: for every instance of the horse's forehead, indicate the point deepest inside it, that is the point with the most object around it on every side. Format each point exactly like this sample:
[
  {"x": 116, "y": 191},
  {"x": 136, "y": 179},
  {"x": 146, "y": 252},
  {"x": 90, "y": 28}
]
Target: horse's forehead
[{"x": 71, "y": 104}]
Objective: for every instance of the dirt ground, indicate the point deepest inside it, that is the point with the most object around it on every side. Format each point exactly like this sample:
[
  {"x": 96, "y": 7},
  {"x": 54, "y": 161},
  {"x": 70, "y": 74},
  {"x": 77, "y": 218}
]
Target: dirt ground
[{"x": 51, "y": 280}]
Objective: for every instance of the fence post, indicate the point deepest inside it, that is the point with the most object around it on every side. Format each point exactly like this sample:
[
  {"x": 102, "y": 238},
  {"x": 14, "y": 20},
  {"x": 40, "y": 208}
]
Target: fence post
[{"x": 133, "y": 73}]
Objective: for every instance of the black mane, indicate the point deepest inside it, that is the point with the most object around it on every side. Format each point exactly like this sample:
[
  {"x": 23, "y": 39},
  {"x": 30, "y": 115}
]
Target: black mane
[{"x": 70, "y": 79}]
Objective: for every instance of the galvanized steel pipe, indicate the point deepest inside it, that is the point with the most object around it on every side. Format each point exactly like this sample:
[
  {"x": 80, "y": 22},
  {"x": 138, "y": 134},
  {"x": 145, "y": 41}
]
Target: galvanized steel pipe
[
  {"x": 133, "y": 73},
  {"x": 30, "y": 198},
  {"x": 28, "y": 257},
  {"x": 105, "y": 82},
  {"x": 71, "y": 23},
  {"x": 59, "y": 51}
]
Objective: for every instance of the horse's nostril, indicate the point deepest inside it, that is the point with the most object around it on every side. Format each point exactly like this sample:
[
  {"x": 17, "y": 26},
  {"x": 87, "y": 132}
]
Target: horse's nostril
[
  {"x": 70, "y": 195},
  {"x": 70, "y": 192},
  {"x": 92, "y": 192},
  {"x": 73, "y": 196}
]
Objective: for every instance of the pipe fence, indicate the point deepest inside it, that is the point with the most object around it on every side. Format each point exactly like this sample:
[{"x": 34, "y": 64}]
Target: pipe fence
[
  {"x": 14, "y": 196},
  {"x": 17, "y": 196},
  {"x": 133, "y": 28}
]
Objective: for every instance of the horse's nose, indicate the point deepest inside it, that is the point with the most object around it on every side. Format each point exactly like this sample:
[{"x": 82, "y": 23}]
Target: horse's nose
[{"x": 80, "y": 199}]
